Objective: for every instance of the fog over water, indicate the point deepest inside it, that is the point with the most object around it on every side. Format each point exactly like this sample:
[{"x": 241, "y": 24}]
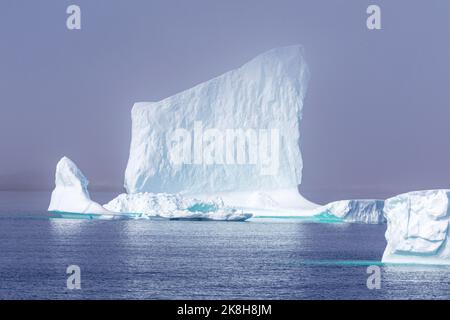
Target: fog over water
[{"x": 376, "y": 116}]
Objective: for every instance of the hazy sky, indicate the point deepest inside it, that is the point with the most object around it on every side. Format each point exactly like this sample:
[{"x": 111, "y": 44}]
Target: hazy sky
[{"x": 377, "y": 114}]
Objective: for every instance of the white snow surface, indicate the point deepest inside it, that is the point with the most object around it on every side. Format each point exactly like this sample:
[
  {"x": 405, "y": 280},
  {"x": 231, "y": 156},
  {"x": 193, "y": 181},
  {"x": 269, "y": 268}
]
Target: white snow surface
[
  {"x": 357, "y": 211},
  {"x": 71, "y": 194},
  {"x": 265, "y": 94},
  {"x": 418, "y": 228}
]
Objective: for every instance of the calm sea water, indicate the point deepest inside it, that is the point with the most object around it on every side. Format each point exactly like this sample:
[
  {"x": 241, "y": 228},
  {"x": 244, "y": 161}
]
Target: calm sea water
[{"x": 142, "y": 259}]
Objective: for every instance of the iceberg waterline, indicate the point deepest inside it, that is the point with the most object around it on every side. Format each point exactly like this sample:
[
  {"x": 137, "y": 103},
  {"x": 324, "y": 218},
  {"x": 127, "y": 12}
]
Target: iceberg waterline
[
  {"x": 71, "y": 196},
  {"x": 175, "y": 206},
  {"x": 417, "y": 232}
]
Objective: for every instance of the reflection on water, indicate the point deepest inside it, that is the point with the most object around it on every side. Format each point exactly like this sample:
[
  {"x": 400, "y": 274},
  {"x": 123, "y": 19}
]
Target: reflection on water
[
  {"x": 151, "y": 259},
  {"x": 64, "y": 228}
]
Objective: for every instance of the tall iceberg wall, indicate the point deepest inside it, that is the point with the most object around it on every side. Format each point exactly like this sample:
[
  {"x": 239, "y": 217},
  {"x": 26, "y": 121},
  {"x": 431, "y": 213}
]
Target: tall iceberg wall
[
  {"x": 418, "y": 228},
  {"x": 239, "y": 132}
]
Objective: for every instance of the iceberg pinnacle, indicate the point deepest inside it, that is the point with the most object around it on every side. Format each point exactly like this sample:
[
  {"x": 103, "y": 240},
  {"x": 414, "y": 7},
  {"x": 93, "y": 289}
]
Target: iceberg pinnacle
[
  {"x": 252, "y": 117},
  {"x": 70, "y": 193}
]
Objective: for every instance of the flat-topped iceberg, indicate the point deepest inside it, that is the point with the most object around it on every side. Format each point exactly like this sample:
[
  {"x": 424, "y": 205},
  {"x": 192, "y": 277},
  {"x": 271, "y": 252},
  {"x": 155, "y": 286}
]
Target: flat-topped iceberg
[
  {"x": 175, "y": 207},
  {"x": 357, "y": 211},
  {"x": 418, "y": 228}
]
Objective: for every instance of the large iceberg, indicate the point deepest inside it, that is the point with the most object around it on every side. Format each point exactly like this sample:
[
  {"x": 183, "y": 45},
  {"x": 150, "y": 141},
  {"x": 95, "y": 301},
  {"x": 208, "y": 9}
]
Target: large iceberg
[
  {"x": 418, "y": 228},
  {"x": 236, "y": 136},
  {"x": 357, "y": 211},
  {"x": 71, "y": 194}
]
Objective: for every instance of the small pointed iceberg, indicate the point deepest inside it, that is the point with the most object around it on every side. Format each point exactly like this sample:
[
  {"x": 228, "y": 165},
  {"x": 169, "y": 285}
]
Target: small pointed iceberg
[{"x": 70, "y": 194}]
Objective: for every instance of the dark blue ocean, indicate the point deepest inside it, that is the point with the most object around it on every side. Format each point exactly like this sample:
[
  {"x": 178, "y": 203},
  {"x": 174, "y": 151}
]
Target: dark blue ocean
[{"x": 157, "y": 259}]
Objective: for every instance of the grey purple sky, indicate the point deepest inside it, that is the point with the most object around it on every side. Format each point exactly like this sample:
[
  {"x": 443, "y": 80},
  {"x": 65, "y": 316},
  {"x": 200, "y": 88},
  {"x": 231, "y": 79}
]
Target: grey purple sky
[{"x": 377, "y": 113}]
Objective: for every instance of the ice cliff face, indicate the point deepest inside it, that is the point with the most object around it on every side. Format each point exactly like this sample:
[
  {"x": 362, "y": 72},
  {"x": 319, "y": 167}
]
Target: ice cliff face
[
  {"x": 418, "y": 228},
  {"x": 357, "y": 211},
  {"x": 70, "y": 193},
  {"x": 237, "y": 132}
]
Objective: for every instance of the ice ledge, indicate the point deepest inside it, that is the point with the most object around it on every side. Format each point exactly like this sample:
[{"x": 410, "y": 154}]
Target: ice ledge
[{"x": 175, "y": 207}]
